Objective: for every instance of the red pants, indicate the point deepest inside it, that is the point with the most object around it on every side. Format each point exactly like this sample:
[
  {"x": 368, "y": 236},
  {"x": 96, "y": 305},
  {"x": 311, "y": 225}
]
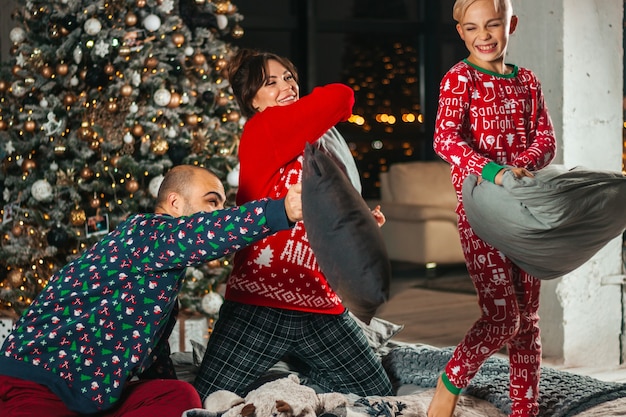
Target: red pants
[
  {"x": 509, "y": 300},
  {"x": 149, "y": 398}
]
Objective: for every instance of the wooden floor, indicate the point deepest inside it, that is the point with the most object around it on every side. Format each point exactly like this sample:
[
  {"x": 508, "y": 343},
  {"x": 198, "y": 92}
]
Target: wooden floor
[{"x": 434, "y": 317}]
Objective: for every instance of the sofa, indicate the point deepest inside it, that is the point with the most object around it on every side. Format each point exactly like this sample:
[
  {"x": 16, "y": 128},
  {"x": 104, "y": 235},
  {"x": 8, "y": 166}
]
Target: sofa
[{"x": 418, "y": 201}]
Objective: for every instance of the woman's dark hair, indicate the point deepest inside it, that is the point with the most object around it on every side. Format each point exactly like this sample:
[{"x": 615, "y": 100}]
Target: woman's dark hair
[{"x": 246, "y": 75}]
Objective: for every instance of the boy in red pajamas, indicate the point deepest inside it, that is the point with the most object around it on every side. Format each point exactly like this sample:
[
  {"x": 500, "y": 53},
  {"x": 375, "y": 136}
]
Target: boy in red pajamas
[{"x": 492, "y": 117}]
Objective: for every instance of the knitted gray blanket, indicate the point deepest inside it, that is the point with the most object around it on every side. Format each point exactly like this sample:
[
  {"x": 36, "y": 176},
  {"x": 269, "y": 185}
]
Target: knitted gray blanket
[{"x": 561, "y": 393}]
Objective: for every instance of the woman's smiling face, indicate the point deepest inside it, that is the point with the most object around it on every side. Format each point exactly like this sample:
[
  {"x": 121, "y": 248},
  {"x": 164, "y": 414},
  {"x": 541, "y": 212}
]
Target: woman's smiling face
[{"x": 280, "y": 88}]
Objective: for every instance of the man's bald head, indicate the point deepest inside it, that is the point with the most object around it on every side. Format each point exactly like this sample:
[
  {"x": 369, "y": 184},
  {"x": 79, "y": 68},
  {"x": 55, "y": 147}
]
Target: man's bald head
[{"x": 188, "y": 189}]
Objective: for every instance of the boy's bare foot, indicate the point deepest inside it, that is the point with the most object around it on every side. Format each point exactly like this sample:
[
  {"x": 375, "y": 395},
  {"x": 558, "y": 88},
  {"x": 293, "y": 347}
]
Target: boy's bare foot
[{"x": 443, "y": 402}]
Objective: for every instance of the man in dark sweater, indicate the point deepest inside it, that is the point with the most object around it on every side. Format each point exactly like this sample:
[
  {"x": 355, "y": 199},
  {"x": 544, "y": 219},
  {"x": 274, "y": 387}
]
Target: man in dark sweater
[{"x": 97, "y": 323}]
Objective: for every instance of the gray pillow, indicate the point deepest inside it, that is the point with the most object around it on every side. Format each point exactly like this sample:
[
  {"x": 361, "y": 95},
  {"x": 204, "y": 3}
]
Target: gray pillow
[
  {"x": 344, "y": 236},
  {"x": 551, "y": 224}
]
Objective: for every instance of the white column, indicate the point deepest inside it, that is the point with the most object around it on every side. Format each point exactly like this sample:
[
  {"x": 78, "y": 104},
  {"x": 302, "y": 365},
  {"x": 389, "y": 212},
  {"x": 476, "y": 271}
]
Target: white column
[{"x": 575, "y": 48}]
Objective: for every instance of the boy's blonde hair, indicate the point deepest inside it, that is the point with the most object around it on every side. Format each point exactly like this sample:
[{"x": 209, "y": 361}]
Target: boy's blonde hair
[{"x": 460, "y": 7}]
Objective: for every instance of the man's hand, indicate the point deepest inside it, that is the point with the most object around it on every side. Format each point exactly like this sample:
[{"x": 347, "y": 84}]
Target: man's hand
[{"x": 293, "y": 203}]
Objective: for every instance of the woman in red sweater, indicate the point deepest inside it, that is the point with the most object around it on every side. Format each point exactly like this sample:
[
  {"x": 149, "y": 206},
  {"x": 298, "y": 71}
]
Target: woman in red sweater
[{"x": 278, "y": 302}]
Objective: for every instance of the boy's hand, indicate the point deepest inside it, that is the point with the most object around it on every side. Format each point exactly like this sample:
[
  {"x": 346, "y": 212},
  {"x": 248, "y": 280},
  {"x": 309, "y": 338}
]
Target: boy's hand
[
  {"x": 293, "y": 203},
  {"x": 517, "y": 172}
]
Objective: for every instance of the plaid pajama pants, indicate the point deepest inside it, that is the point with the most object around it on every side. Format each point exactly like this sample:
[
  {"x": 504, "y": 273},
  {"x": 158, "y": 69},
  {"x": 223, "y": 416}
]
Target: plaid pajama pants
[{"x": 248, "y": 340}]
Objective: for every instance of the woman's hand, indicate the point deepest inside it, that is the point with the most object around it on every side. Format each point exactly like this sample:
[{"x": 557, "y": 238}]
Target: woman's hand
[
  {"x": 293, "y": 203},
  {"x": 378, "y": 216}
]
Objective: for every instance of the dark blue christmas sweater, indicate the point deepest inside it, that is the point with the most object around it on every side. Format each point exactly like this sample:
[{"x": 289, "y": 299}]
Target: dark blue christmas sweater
[{"x": 96, "y": 323}]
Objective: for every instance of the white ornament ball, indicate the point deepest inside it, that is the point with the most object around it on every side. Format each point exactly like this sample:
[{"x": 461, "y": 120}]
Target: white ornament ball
[
  {"x": 43, "y": 103},
  {"x": 154, "y": 185},
  {"x": 78, "y": 54},
  {"x": 92, "y": 26},
  {"x": 152, "y": 22},
  {"x": 129, "y": 139},
  {"x": 134, "y": 108},
  {"x": 222, "y": 21},
  {"x": 211, "y": 303},
  {"x": 74, "y": 81},
  {"x": 17, "y": 35},
  {"x": 162, "y": 97},
  {"x": 233, "y": 177},
  {"x": 18, "y": 88},
  {"x": 189, "y": 51},
  {"x": 41, "y": 190}
]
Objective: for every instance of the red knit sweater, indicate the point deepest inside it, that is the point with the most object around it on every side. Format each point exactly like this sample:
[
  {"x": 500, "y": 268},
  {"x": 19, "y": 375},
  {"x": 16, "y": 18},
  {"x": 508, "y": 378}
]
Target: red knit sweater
[{"x": 281, "y": 270}]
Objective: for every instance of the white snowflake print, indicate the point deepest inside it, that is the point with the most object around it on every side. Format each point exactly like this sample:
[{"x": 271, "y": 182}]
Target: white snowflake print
[
  {"x": 102, "y": 48},
  {"x": 265, "y": 257}
]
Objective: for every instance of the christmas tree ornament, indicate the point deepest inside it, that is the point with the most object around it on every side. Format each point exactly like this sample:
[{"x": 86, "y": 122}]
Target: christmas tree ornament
[
  {"x": 222, "y": 21},
  {"x": 131, "y": 19},
  {"x": 28, "y": 165},
  {"x": 159, "y": 146},
  {"x": 60, "y": 150},
  {"x": 137, "y": 130},
  {"x": 151, "y": 62},
  {"x": 92, "y": 26},
  {"x": 30, "y": 126},
  {"x": 198, "y": 59},
  {"x": 233, "y": 116},
  {"x": 3, "y": 125},
  {"x": 15, "y": 278},
  {"x": 140, "y": 3},
  {"x": 178, "y": 39},
  {"x": 17, "y": 35},
  {"x": 78, "y": 217},
  {"x": 211, "y": 303},
  {"x": 62, "y": 69},
  {"x": 69, "y": 99},
  {"x": 86, "y": 173},
  {"x": 237, "y": 32},
  {"x": 152, "y": 22},
  {"x": 47, "y": 71},
  {"x": 132, "y": 186},
  {"x": 57, "y": 236},
  {"x": 126, "y": 90},
  {"x": 17, "y": 230},
  {"x": 154, "y": 185},
  {"x": 112, "y": 106},
  {"x": 162, "y": 97},
  {"x": 41, "y": 190},
  {"x": 77, "y": 54},
  {"x": 94, "y": 203},
  {"x": 175, "y": 100},
  {"x": 3, "y": 85},
  {"x": 109, "y": 69},
  {"x": 18, "y": 89},
  {"x": 233, "y": 177}
]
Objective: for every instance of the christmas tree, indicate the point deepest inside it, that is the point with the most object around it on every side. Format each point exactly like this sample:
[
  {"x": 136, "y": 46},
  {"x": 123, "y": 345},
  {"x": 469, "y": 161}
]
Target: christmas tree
[{"x": 98, "y": 100}]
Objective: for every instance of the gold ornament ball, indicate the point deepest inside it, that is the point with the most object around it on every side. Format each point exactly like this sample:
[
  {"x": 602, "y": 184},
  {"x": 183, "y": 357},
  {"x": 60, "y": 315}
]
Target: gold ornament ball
[
  {"x": 3, "y": 125},
  {"x": 114, "y": 160},
  {"x": 94, "y": 145},
  {"x": 69, "y": 99},
  {"x": 237, "y": 32},
  {"x": 192, "y": 120},
  {"x": 112, "y": 106},
  {"x": 215, "y": 263},
  {"x": 137, "y": 130},
  {"x": 124, "y": 50},
  {"x": 82, "y": 74},
  {"x": 15, "y": 278},
  {"x": 109, "y": 69},
  {"x": 16, "y": 69},
  {"x": 159, "y": 146},
  {"x": 47, "y": 71},
  {"x": 86, "y": 173},
  {"x": 132, "y": 186},
  {"x": 62, "y": 69},
  {"x": 141, "y": 3},
  {"x": 220, "y": 64},
  {"x": 178, "y": 39},
  {"x": 17, "y": 230},
  {"x": 222, "y": 99},
  {"x": 175, "y": 100},
  {"x": 151, "y": 62},
  {"x": 64, "y": 31},
  {"x": 4, "y": 85},
  {"x": 131, "y": 19},
  {"x": 30, "y": 126},
  {"x": 28, "y": 165},
  {"x": 13, "y": 50},
  {"x": 94, "y": 202},
  {"x": 233, "y": 116},
  {"x": 85, "y": 132},
  {"x": 78, "y": 217},
  {"x": 126, "y": 90},
  {"x": 198, "y": 58}
]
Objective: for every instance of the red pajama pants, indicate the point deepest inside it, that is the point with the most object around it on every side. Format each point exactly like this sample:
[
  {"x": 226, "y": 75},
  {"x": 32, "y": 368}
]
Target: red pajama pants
[
  {"x": 509, "y": 300},
  {"x": 144, "y": 398}
]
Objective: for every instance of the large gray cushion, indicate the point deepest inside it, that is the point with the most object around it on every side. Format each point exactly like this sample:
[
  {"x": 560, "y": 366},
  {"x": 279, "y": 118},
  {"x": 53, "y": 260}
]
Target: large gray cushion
[
  {"x": 551, "y": 224},
  {"x": 344, "y": 236}
]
